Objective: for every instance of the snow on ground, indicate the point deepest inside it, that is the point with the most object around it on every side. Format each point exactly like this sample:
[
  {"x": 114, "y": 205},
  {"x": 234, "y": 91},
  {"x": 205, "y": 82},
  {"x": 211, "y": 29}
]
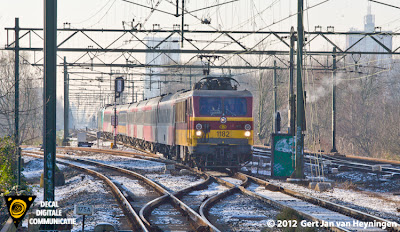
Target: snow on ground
[
  {"x": 33, "y": 167},
  {"x": 31, "y": 149},
  {"x": 232, "y": 180},
  {"x": 74, "y": 186},
  {"x": 84, "y": 189},
  {"x": 195, "y": 198},
  {"x": 175, "y": 182},
  {"x": 133, "y": 185},
  {"x": 213, "y": 188},
  {"x": 125, "y": 162},
  {"x": 384, "y": 205},
  {"x": 241, "y": 213},
  {"x": 106, "y": 144},
  {"x": 368, "y": 181},
  {"x": 163, "y": 220},
  {"x": 166, "y": 214},
  {"x": 80, "y": 188}
]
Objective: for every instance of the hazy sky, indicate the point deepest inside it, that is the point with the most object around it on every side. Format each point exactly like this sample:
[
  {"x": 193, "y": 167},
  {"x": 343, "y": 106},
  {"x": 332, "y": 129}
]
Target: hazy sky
[
  {"x": 240, "y": 15},
  {"x": 343, "y": 14}
]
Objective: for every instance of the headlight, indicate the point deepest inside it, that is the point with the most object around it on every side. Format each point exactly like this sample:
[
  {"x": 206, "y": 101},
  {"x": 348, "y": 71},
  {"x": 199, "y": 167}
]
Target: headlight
[
  {"x": 199, "y": 126},
  {"x": 223, "y": 120},
  {"x": 247, "y": 127},
  {"x": 247, "y": 133},
  {"x": 198, "y": 133}
]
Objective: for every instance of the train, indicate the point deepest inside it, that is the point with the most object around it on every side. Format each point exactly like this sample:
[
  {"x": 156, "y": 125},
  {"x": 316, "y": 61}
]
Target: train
[{"x": 209, "y": 126}]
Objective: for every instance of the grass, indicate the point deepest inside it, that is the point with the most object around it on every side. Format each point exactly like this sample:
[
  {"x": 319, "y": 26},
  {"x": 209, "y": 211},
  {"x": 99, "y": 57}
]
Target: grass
[{"x": 348, "y": 185}]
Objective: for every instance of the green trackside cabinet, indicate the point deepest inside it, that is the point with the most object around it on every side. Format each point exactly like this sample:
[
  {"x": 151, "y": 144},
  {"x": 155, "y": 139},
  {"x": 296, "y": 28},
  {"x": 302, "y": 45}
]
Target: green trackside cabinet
[{"x": 283, "y": 155}]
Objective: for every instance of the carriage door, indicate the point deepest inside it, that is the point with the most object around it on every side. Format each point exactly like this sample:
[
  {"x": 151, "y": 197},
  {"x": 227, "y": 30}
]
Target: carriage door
[
  {"x": 180, "y": 124},
  {"x": 189, "y": 113}
]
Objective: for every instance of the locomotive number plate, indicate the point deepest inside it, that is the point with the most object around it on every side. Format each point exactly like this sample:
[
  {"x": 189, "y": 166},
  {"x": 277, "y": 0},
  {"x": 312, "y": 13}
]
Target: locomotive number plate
[{"x": 223, "y": 134}]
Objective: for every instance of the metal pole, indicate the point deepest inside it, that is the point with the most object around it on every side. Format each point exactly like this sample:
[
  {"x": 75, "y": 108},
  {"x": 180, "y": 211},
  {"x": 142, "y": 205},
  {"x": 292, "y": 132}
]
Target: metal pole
[
  {"x": 66, "y": 103},
  {"x": 50, "y": 85},
  {"x": 133, "y": 91},
  {"x": 292, "y": 110},
  {"x": 183, "y": 20},
  {"x": 190, "y": 81},
  {"x": 177, "y": 8},
  {"x": 334, "y": 102},
  {"x": 16, "y": 100},
  {"x": 274, "y": 109},
  {"x": 299, "y": 173},
  {"x": 115, "y": 117},
  {"x": 83, "y": 223}
]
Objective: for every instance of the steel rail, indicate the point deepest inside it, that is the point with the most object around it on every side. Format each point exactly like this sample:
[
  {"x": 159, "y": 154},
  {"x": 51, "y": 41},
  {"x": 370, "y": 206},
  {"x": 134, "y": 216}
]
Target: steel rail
[
  {"x": 203, "y": 225},
  {"x": 146, "y": 210},
  {"x": 350, "y": 157},
  {"x": 349, "y": 161},
  {"x": 320, "y": 202},
  {"x": 242, "y": 188},
  {"x": 135, "y": 220},
  {"x": 316, "y": 201},
  {"x": 218, "y": 197}
]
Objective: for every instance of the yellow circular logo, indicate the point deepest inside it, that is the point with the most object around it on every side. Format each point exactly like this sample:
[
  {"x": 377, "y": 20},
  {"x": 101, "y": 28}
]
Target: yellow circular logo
[
  {"x": 17, "y": 208},
  {"x": 222, "y": 127}
]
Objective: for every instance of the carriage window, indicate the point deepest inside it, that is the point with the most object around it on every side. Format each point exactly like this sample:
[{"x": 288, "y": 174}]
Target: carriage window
[
  {"x": 122, "y": 118},
  {"x": 190, "y": 105},
  {"x": 235, "y": 106},
  {"x": 210, "y": 106}
]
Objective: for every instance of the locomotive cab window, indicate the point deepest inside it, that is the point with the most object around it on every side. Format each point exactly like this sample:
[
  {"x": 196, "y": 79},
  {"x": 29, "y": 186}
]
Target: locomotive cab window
[
  {"x": 235, "y": 106},
  {"x": 210, "y": 106}
]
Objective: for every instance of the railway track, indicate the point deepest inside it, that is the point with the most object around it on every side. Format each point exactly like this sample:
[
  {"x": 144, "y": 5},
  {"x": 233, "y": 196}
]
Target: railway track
[
  {"x": 318, "y": 209},
  {"x": 134, "y": 219},
  {"x": 309, "y": 208},
  {"x": 303, "y": 205},
  {"x": 385, "y": 167},
  {"x": 132, "y": 203}
]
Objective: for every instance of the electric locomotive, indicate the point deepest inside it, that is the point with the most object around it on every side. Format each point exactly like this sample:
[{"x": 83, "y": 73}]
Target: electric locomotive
[{"x": 209, "y": 126}]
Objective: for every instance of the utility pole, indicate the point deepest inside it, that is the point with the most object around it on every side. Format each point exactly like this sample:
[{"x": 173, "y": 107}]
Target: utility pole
[
  {"x": 133, "y": 91},
  {"x": 115, "y": 118},
  {"x": 292, "y": 100},
  {"x": 16, "y": 100},
  {"x": 183, "y": 20},
  {"x": 190, "y": 78},
  {"x": 66, "y": 103},
  {"x": 334, "y": 150},
  {"x": 274, "y": 109},
  {"x": 50, "y": 85},
  {"x": 299, "y": 172},
  {"x": 177, "y": 8},
  {"x": 118, "y": 90},
  {"x": 159, "y": 86}
]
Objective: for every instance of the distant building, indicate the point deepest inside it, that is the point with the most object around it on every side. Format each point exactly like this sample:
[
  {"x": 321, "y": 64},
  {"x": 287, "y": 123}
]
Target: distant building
[
  {"x": 368, "y": 44},
  {"x": 152, "y": 82}
]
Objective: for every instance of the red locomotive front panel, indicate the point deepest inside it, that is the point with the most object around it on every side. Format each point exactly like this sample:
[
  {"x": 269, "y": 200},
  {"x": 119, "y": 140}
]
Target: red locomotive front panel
[
  {"x": 222, "y": 123},
  {"x": 222, "y": 120}
]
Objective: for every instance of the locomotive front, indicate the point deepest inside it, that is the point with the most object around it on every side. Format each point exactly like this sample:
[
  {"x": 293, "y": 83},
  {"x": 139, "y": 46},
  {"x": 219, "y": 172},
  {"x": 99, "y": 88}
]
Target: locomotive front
[{"x": 221, "y": 126}]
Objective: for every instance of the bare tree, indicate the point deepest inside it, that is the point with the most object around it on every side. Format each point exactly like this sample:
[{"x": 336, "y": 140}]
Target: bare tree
[{"x": 30, "y": 109}]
